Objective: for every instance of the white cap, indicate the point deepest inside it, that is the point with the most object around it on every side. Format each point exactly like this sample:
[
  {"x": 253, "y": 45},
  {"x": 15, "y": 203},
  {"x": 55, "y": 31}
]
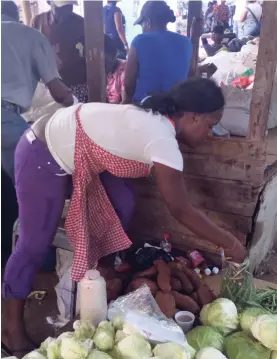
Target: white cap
[
  {"x": 92, "y": 274},
  {"x": 207, "y": 271},
  {"x": 61, "y": 3}
]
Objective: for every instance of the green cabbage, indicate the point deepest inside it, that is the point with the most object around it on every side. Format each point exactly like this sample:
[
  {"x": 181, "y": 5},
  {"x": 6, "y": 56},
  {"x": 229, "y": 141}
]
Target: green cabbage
[
  {"x": 248, "y": 317},
  {"x": 240, "y": 346},
  {"x": 221, "y": 314},
  {"x": 119, "y": 336},
  {"x": 118, "y": 323},
  {"x": 54, "y": 350},
  {"x": 133, "y": 347},
  {"x": 103, "y": 339},
  {"x": 83, "y": 330},
  {"x": 34, "y": 355},
  {"x": 171, "y": 351},
  {"x": 191, "y": 351},
  {"x": 210, "y": 353},
  {"x": 202, "y": 337},
  {"x": 73, "y": 349},
  {"x": 264, "y": 329},
  {"x": 107, "y": 326},
  {"x": 96, "y": 354}
]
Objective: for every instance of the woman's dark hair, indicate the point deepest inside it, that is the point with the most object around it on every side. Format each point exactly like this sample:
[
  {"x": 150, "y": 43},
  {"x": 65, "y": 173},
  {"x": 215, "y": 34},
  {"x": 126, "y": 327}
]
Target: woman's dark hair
[
  {"x": 10, "y": 9},
  {"x": 109, "y": 46},
  {"x": 196, "y": 95}
]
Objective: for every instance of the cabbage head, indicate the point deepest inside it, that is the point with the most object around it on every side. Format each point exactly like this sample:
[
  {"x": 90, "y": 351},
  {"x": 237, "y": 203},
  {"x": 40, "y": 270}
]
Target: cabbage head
[
  {"x": 274, "y": 354},
  {"x": 202, "y": 337},
  {"x": 96, "y": 354},
  {"x": 248, "y": 317},
  {"x": 221, "y": 314},
  {"x": 34, "y": 355},
  {"x": 191, "y": 351},
  {"x": 133, "y": 347},
  {"x": 119, "y": 336},
  {"x": 240, "y": 346},
  {"x": 264, "y": 329},
  {"x": 210, "y": 353},
  {"x": 104, "y": 339},
  {"x": 54, "y": 350},
  {"x": 118, "y": 322},
  {"x": 44, "y": 345},
  {"x": 83, "y": 330},
  {"x": 107, "y": 326},
  {"x": 171, "y": 351},
  {"x": 73, "y": 349}
]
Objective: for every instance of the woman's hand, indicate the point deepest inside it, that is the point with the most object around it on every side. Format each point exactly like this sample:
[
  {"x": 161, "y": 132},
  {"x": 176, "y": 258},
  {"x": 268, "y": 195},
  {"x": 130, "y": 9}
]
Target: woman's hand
[{"x": 236, "y": 251}]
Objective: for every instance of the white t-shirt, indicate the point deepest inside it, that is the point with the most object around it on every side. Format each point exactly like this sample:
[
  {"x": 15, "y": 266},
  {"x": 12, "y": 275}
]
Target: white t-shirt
[
  {"x": 123, "y": 130},
  {"x": 240, "y": 9},
  {"x": 257, "y": 11}
]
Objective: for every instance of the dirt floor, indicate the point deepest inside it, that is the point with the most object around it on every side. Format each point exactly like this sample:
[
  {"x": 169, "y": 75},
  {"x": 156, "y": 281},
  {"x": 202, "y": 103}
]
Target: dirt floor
[{"x": 268, "y": 269}]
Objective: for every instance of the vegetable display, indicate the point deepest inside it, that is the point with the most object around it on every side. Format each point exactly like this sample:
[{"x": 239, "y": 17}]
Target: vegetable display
[
  {"x": 264, "y": 329},
  {"x": 202, "y": 337},
  {"x": 210, "y": 353},
  {"x": 248, "y": 317}
]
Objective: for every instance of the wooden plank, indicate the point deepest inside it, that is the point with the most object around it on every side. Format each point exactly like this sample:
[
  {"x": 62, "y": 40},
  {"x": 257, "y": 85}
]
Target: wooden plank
[
  {"x": 221, "y": 167},
  {"x": 265, "y": 71},
  {"x": 234, "y": 147},
  {"x": 194, "y": 12},
  {"x": 95, "y": 56}
]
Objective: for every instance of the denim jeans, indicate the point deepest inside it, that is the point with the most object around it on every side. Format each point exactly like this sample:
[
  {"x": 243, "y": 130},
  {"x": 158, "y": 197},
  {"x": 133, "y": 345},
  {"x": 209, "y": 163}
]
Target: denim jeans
[{"x": 12, "y": 128}]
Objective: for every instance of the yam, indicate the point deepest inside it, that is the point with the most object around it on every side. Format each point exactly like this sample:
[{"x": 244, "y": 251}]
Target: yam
[
  {"x": 136, "y": 283},
  {"x": 184, "y": 302},
  {"x": 187, "y": 286},
  {"x": 164, "y": 275},
  {"x": 148, "y": 273},
  {"x": 193, "y": 277},
  {"x": 176, "y": 284},
  {"x": 205, "y": 295},
  {"x": 166, "y": 302}
]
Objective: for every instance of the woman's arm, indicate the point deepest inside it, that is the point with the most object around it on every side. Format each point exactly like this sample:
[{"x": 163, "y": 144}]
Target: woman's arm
[
  {"x": 120, "y": 28},
  {"x": 244, "y": 16},
  {"x": 131, "y": 76},
  {"x": 172, "y": 187}
]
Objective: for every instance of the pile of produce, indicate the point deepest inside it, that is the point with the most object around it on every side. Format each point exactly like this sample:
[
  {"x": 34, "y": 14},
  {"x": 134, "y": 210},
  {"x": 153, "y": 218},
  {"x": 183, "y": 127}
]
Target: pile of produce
[
  {"x": 111, "y": 340},
  {"x": 174, "y": 286},
  {"x": 251, "y": 335}
]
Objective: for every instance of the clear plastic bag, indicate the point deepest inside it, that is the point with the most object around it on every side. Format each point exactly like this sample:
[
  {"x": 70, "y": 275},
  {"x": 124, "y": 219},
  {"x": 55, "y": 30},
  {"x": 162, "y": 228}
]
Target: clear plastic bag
[
  {"x": 140, "y": 310},
  {"x": 237, "y": 283}
]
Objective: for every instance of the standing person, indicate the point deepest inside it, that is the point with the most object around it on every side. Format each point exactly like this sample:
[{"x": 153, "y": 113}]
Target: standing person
[
  {"x": 115, "y": 70},
  {"x": 209, "y": 14},
  {"x": 221, "y": 14},
  {"x": 158, "y": 58},
  {"x": 237, "y": 24},
  {"x": 27, "y": 58},
  {"x": 114, "y": 27},
  {"x": 65, "y": 31},
  {"x": 251, "y": 18},
  {"x": 127, "y": 142}
]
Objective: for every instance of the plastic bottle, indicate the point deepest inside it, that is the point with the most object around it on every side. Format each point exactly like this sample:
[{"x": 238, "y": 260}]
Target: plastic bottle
[
  {"x": 165, "y": 244},
  {"x": 93, "y": 298}
]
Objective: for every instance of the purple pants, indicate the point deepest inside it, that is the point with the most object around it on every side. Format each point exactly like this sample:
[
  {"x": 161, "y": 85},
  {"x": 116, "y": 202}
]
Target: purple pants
[{"x": 41, "y": 188}]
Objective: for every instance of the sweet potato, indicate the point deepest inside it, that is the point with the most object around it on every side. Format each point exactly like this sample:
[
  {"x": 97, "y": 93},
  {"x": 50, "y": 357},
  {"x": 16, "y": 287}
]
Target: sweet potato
[
  {"x": 114, "y": 289},
  {"x": 136, "y": 283},
  {"x": 148, "y": 273},
  {"x": 166, "y": 302},
  {"x": 193, "y": 277},
  {"x": 184, "y": 302},
  {"x": 205, "y": 295},
  {"x": 187, "y": 287},
  {"x": 176, "y": 284},
  {"x": 194, "y": 296},
  {"x": 163, "y": 275}
]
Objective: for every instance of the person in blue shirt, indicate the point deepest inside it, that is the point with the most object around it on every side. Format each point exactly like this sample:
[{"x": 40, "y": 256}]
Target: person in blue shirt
[
  {"x": 114, "y": 27},
  {"x": 158, "y": 59}
]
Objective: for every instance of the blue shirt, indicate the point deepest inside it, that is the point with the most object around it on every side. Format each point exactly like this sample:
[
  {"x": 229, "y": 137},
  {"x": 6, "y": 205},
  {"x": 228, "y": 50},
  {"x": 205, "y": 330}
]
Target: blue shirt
[
  {"x": 109, "y": 23},
  {"x": 164, "y": 60}
]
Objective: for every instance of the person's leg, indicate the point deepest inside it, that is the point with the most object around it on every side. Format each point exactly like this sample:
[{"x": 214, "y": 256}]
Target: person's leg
[
  {"x": 12, "y": 128},
  {"x": 121, "y": 195},
  {"x": 41, "y": 194}
]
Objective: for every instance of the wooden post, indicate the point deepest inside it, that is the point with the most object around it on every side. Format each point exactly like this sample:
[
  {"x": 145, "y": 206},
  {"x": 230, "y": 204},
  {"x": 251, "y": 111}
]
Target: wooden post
[
  {"x": 95, "y": 56},
  {"x": 194, "y": 11},
  {"x": 265, "y": 73},
  {"x": 27, "y": 12}
]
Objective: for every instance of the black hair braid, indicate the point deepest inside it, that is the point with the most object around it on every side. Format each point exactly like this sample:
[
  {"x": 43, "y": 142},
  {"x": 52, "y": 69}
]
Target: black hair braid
[{"x": 194, "y": 95}]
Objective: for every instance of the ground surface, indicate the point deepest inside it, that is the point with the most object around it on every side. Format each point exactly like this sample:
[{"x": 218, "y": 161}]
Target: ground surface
[{"x": 268, "y": 269}]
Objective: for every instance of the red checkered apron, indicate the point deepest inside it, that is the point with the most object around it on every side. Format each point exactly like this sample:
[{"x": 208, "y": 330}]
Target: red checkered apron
[{"x": 92, "y": 225}]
